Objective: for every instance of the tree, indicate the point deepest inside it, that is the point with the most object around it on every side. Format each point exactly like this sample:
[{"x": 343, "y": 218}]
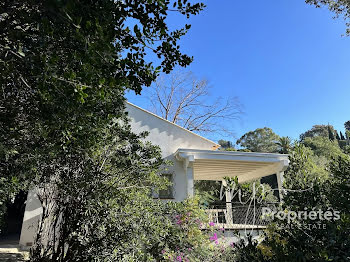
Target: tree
[
  {"x": 225, "y": 144},
  {"x": 319, "y": 130},
  {"x": 284, "y": 144},
  {"x": 342, "y": 137},
  {"x": 259, "y": 140},
  {"x": 322, "y": 146},
  {"x": 185, "y": 100},
  {"x": 347, "y": 134},
  {"x": 301, "y": 238},
  {"x": 339, "y": 7},
  {"x": 337, "y": 136},
  {"x": 65, "y": 66},
  {"x": 331, "y": 133},
  {"x": 347, "y": 125},
  {"x": 293, "y": 241}
]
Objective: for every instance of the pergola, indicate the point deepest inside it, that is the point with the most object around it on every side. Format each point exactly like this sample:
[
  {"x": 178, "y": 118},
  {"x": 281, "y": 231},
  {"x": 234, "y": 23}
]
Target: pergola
[{"x": 215, "y": 165}]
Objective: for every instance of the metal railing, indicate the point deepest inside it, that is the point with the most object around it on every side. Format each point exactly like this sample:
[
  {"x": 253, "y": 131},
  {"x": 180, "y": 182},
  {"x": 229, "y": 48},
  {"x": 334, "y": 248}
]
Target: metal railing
[{"x": 237, "y": 216}]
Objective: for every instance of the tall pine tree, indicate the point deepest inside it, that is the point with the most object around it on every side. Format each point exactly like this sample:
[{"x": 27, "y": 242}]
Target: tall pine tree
[
  {"x": 330, "y": 133},
  {"x": 342, "y": 136},
  {"x": 337, "y": 135}
]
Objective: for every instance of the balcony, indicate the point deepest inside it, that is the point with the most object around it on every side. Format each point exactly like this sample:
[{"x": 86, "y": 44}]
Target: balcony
[{"x": 237, "y": 216}]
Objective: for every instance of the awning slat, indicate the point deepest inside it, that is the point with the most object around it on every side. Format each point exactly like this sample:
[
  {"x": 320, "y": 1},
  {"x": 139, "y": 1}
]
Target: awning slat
[{"x": 215, "y": 165}]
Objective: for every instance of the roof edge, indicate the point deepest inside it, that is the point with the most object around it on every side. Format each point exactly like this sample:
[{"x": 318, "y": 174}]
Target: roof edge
[
  {"x": 148, "y": 112},
  {"x": 233, "y": 153}
]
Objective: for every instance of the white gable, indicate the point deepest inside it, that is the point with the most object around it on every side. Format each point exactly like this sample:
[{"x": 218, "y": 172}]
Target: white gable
[{"x": 167, "y": 135}]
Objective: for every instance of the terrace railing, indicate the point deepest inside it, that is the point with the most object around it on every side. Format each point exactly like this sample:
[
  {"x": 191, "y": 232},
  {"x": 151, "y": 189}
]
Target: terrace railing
[{"x": 237, "y": 216}]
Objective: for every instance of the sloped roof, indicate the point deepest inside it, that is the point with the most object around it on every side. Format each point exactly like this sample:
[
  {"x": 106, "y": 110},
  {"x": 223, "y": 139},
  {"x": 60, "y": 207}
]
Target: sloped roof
[{"x": 215, "y": 145}]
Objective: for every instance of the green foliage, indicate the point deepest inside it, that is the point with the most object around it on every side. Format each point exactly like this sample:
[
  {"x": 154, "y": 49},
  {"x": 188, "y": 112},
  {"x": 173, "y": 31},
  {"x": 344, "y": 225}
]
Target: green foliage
[
  {"x": 244, "y": 192},
  {"x": 319, "y": 130},
  {"x": 226, "y": 145},
  {"x": 331, "y": 133},
  {"x": 207, "y": 191},
  {"x": 65, "y": 66},
  {"x": 186, "y": 239},
  {"x": 347, "y": 125},
  {"x": 284, "y": 143},
  {"x": 165, "y": 232},
  {"x": 95, "y": 198},
  {"x": 244, "y": 251},
  {"x": 303, "y": 239},
  {"x": 322, "y": 146},
  {"x": 300, "y": 243},
  {"x": 244, "y": 150},
  {"x": 342, "y": 137},
  {"x": 337, "y": 136},
  {"x": 340, "y": 8},
  {"x": 342, "y": 144},
  {"x": 347, "y": 149},
  {"x": 8, "y": 188},
  {"x": 317, "y": 176},
  {"x": 347, "y": 134},
  {"x": 259, "y": 140}
]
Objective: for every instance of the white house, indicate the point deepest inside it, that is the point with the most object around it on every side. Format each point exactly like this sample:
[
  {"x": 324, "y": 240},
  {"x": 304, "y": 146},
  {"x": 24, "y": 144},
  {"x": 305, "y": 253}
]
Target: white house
[{"x": 194, "y": 158}]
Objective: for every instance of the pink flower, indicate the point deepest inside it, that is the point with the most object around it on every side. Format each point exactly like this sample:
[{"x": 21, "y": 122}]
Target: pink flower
[
  {"x": 211, "y": 224},
  {"x": 163, "y": 251},
  {"x": 232, "y": 244},
  {"x": 178, "y": 258},
  {"x": 214, "y": 237}
]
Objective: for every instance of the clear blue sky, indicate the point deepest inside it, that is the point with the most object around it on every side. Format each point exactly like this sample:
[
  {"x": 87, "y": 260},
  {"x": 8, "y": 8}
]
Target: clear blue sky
[{"x": 286, "y": 61}]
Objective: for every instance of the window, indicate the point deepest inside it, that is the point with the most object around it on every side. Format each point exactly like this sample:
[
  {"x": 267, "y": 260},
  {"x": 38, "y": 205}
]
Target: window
[{"x": 168, "y": 192}]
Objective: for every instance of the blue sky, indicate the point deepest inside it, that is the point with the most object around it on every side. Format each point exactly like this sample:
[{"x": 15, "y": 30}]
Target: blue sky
[{"x": 286, "y": 61}]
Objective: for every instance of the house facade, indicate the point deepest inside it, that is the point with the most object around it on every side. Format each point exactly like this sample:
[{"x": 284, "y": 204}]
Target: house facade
[{"x": 194, "y": 158}]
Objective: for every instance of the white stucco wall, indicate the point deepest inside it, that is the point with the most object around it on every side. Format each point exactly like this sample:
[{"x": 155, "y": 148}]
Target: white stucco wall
[
  {"x": 169, "y": 138},
  {"x": 167, "y": 135},
  {"x": 30, "y": 220}
]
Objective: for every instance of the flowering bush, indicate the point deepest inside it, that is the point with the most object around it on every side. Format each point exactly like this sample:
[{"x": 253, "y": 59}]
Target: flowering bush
[
  {"x": 200, "y": 239},
  {"x": 186, "y": 241}
]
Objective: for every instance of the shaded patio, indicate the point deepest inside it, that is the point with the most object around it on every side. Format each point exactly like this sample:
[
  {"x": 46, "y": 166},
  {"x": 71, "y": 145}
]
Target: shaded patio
[{"x": 246, "y": 166}]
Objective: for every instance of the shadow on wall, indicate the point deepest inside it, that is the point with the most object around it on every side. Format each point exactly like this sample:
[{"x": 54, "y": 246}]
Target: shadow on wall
[{"x": 31, "y": 218}]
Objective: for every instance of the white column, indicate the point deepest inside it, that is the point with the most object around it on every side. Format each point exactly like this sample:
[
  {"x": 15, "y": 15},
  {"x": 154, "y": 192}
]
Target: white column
[
  {"x": 188, "y": 167},
  {"x": 190, "y": 182},
  {"x": 228, "y": 210},
  {"x": 280, "y": 183},
  {"x": 229, "y": 218}
]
